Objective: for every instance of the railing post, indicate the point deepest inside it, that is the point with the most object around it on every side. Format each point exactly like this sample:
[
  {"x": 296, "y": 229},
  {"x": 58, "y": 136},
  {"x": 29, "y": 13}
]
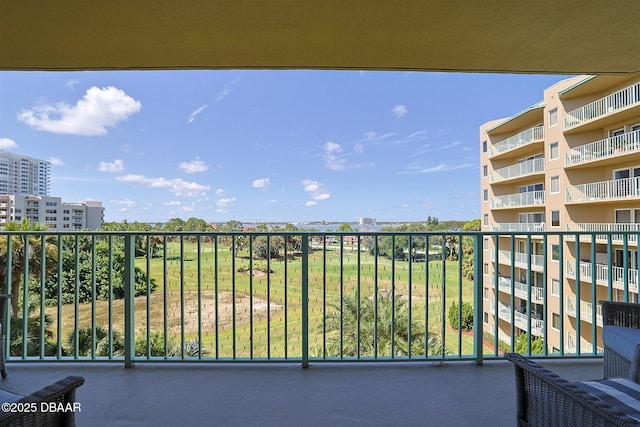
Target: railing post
[
  {"x": 129, "y": 286},
  {"x": 478, "y": 332},
  {"x": 305, "y": 300}
]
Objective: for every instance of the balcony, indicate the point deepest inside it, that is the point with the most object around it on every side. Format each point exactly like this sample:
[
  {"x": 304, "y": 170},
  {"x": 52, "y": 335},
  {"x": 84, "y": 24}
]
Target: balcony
[
  {"x": 518, "y": 200},
  {"x": 529, "y": 136},
  {"x": 239, "y": 309},
  {"x": 586, "y": 311},
  {"x": 628, "y": 230},
  {"x": 617, "y": 278},
  {"x": 608, "y": 148},
  {"x": 520, "y": 259},
  {"x": 506, "y": 227},
  {"x": 603, "y": 107},
  {"x": 521, "y": 320},
  {"x": 521, "y": 290},
  {"x": 521, "y": 170},
  {"x": 626, "y": 189}
]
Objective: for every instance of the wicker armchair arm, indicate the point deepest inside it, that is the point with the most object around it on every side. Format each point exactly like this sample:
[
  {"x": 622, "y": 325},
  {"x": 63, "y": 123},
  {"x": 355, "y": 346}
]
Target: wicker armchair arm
[
  {"x": 544, "y": 398},
  {"x": 620, "y": 314},
  {"x": 62, "y": 392}
]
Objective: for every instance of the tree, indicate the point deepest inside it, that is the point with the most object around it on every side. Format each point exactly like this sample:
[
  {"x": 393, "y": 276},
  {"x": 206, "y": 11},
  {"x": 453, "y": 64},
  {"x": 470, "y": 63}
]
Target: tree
[
  {"x": 26, "y": 255},
  {"x": 467, "y": 316},
  {"x": 521, "y": 344},
  {"x": 381, "y": 326}
]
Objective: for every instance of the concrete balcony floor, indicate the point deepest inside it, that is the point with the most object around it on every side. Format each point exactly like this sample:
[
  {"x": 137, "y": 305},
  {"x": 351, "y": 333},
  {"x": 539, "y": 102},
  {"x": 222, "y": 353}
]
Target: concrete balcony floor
[{"x": 326, "y": 394}]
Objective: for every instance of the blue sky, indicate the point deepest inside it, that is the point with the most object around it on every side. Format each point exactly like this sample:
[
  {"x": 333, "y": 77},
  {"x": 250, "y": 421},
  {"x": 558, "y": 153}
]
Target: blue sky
[{"x": 262, "y": 145}]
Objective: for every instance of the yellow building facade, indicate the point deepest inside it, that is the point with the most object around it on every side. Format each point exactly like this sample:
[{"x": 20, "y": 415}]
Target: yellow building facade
[{"x": 569, "y": 164}]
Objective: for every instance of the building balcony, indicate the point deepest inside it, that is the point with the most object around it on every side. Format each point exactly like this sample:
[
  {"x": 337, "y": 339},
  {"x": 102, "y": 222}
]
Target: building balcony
[
  {"x": 616, "y": 103},
  {"x": 510, "y": 227},
  {"x": 524, "y": 138},
  {"x": 521, "y": 170},
  {"x": 520, "y": 259},
  {"x": 585, "y": 346},
  {"x": 521, "y": 320},
  {"x": 586, "y": 311},
  {"x": 627, "y": 189},
  {"x": 520, "y": 290},
  {"x": 518, "y": 200},
  {"x": 602, "y": 275},
  {"x": 604, "y": 149},
  {"x": 626, "y": 230}
]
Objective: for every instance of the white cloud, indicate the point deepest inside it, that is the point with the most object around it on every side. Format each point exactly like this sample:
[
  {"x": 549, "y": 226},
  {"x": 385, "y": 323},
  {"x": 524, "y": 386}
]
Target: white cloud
[
  {"x": 6, "y": 143},
  {"x": 98, "y": 110},
  {"x": 260, "y": 183},
  {"x": 442, "y": 167},
  {"x": 399, "y": 110},
  {"x": 223, "y": 202},
  {"x": 358, "y": 148},
  {"x": 417, "y": 133},
  {"x": 332, "y": 158},
  {"x": 176, "y": 186},
  {"x": 56, "y": 161},
  {"x": 227, "y": 89},
  {"x": 173, "y": 203},
  {"x": 126, "y": 202},
  {"x": 316, "y": 191},
  {"x": 193, "y": 166},
  {"x": 192, "y": 116},
  {"x": 310, "y": 203},
  {"x": 220, "y": 192},
  {"x": 116, "y": 167}
]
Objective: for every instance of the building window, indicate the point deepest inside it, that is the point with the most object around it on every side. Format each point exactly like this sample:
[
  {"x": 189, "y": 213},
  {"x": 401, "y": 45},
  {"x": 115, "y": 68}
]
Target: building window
[
  {"x": 485, "y": 268},
  {"x": 485, "y": 171},
  {"x": 485, "y": 219},
  {"x": 555, "y": 252},
  {"x": 484, "y": 146},
  {"x": 485, "y": 317},
  {"x": 553, "y": 151},
  {"x": 554, "y": 184},
  {"x": 553, "y": 117},
  {"x": 555, "y": 321},
  {"x": 485, "y": 244},
  {"x": 485, "y": 195},
  {"x": 555, "y": 218},
  {"x": 485, "y": 293},
  {"x": 555, "y": 287}
]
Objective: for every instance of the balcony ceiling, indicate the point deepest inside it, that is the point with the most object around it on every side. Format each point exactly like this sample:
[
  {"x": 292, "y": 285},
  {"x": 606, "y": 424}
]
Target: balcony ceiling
[{"x": 544, "y": 36}]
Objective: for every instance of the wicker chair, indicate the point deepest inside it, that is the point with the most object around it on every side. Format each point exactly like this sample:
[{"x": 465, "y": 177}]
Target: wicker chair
[
  {"x": 621, "y": 345},
  {"x": 54, "y": 405},
  {"x": 4, "y": 302},
  {"x": 545, "y": 399}
]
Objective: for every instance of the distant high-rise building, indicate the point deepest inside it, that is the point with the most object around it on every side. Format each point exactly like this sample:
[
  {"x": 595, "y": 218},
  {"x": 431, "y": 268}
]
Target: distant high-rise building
[
  {"x": 23, "y": 175},
  {"x": 24, "y": 193},
  {"x": 367, "y": 221}
]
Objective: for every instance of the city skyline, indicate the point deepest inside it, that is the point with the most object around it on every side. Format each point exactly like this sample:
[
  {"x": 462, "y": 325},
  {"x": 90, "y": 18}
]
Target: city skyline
[{"x": 262, "y": 146}]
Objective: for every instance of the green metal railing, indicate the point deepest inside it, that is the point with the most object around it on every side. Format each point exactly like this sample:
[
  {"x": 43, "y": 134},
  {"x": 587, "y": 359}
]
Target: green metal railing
[{"x": 307, "y": 296}]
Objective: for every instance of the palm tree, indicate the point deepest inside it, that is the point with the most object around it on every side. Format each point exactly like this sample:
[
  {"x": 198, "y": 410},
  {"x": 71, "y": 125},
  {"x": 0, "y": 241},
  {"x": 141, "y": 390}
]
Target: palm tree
[
  {"x": 379, "y": 326},
  {"x": 26, "y": 255}
]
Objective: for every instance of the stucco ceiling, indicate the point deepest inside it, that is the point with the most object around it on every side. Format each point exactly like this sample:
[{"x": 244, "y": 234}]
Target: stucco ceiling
[{"x": 542, "y": 36}]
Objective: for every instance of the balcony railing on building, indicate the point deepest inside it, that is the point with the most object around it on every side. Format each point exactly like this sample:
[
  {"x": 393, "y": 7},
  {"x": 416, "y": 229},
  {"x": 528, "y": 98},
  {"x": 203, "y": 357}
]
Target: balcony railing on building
[
  {"x": 520, "y": 259},
  {"x": 586, "y": 310},
  {"x": 525, "y": 137},
  {"x": 604, "y": 275},
  {"x": 520, "y": 290},
  {"x": 609, "y": 104},
  {"x": 507, "y": 227},
  {"x": 518, "y": 200},
  {"x": 626, "y": 143},
  {"x": 522, "y": 169},
  {"x": 630, "y": 230},
  {"x": 604, "y": 191},
  {"x": 521, "y": 319}
]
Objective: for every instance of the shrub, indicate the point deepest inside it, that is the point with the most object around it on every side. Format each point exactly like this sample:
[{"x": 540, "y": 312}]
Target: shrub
[{"x": 467, "y": 316}]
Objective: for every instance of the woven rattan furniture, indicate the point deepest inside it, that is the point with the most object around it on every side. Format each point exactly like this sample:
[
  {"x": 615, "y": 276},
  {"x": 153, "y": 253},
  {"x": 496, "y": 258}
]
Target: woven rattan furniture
[
  {"x": 54, "y": 405},
  {"x": 4, "y": 303},
  {"x": 546, "y": 399},
  {"x": 621, "y": 339}
]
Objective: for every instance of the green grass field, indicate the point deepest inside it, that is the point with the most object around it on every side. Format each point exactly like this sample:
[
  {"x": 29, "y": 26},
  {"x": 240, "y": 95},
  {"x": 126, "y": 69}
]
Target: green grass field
[{"x": 202, "y": 296}]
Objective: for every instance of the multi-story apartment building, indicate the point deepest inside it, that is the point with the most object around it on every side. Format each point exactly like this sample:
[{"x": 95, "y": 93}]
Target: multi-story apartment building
[
  {"x": 51, "y": 211},
  {"x": 24, "y": 193},
  {"x": 23, "y": 175},
  {"x": 568, "y": 163}
]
